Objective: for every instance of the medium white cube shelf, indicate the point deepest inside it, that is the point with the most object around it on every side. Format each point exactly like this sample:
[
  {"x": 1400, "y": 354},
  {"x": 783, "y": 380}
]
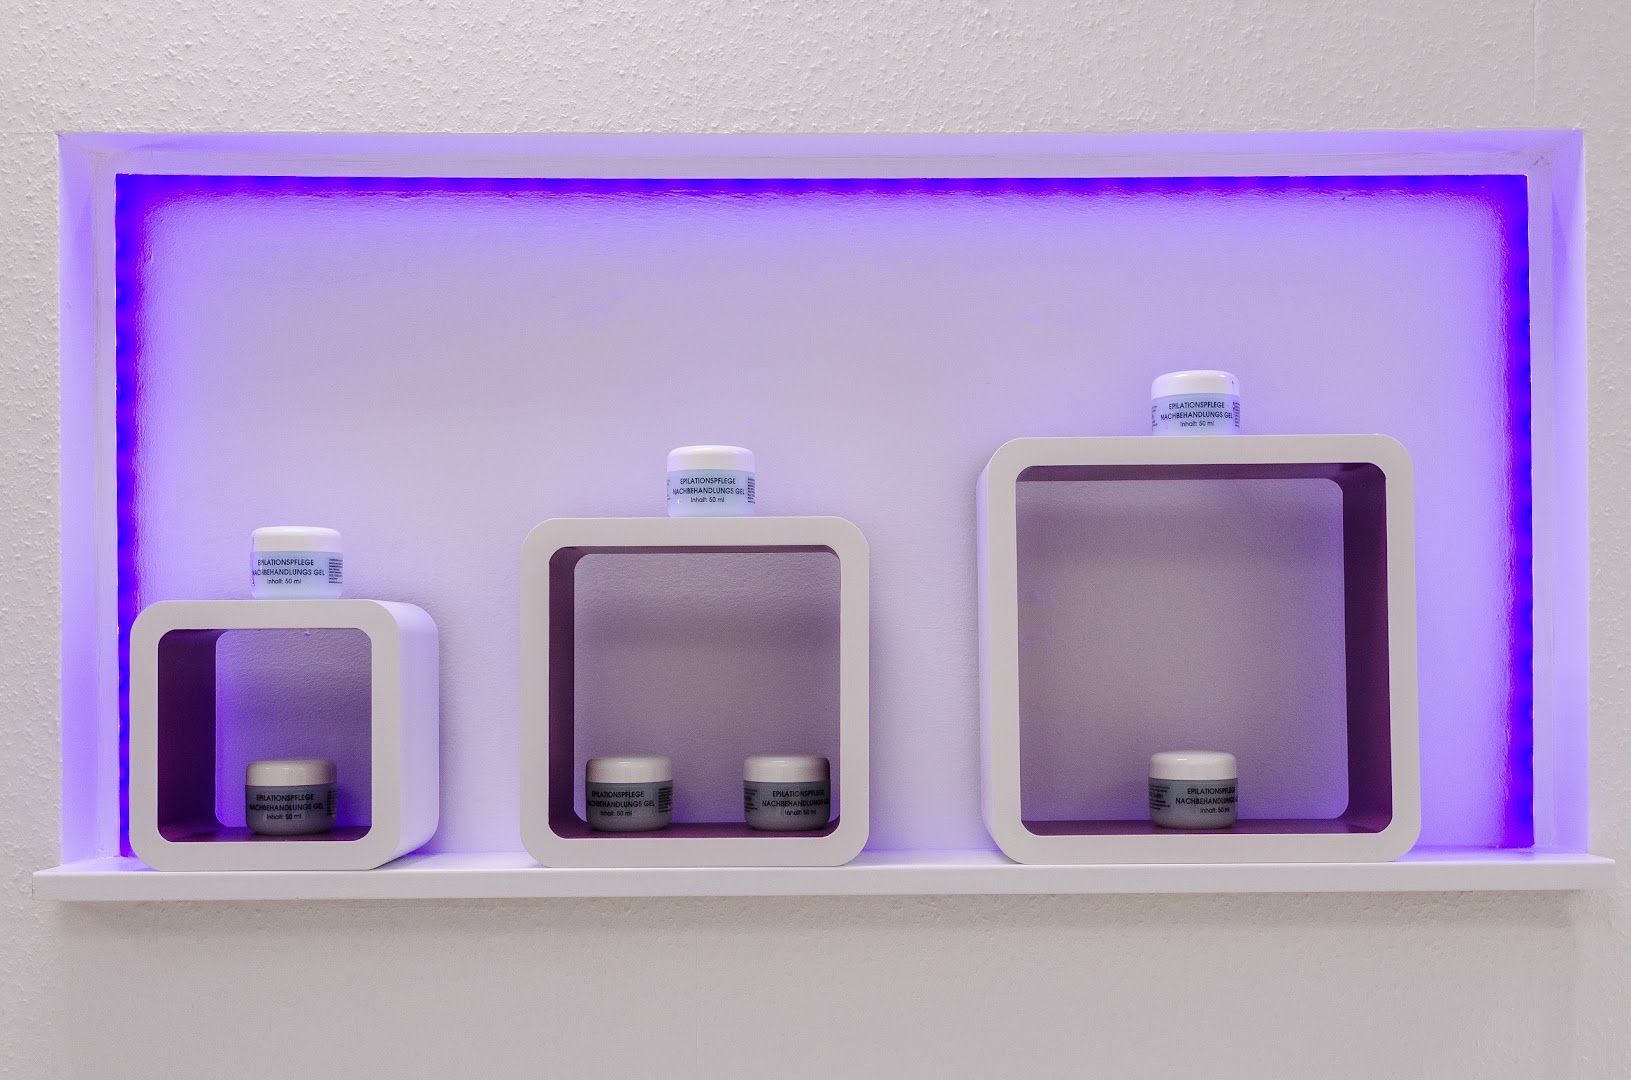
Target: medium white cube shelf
[
  {"x": 553, "y": 830},
  {"x": 1376, "y": 802},
  {"x": 173, "y": 736}
]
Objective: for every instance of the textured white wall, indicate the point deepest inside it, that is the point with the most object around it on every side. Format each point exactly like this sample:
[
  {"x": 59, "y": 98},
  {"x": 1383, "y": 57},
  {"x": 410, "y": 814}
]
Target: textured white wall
[{"x": 1478, "y": 985}]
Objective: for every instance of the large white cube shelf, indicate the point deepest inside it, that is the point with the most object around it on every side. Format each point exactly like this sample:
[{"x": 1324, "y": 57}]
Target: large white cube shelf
[
  {"x": 552, "y": 828},
  {"x": 174, "y": 824},
  {"x": 1373, "y": 805}
]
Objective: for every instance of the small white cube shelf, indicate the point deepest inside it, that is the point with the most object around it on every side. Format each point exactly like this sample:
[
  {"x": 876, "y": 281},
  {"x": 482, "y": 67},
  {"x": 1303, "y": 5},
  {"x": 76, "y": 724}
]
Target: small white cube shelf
[
  {"x": 1374, "y": 802},
  {"x": 553, "y": 830},
  {"x": 173, "y": 736}
]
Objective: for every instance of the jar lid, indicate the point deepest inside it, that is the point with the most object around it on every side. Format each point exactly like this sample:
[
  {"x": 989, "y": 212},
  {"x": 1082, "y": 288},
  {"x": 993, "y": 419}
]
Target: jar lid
[
  {"x": 296, "y": 538},
  {"x": 1175, "y": 383},
  {"x": 289, "y": 772},
  {"x": 1192, "y": 765},
  {"x": 785, "y": 769},
  {"x": 629, "y": 770},
  {"x": 732, "y": 458}
]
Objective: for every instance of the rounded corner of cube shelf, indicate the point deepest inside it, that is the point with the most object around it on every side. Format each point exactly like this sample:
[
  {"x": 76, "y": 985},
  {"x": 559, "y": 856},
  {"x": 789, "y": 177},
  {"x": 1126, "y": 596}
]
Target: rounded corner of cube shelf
[
  {"x": 404, "y": 616},
  {"x": 411, "y": 842},
  {"x": 149, "y": 848},
  {"x": 1013, "y": 839},
  {"x": 544, "y": 538},
  {"x": 539, "y": 840},
  {"x": 848, "y": 539},
  {"x": 1400, "y": 836},
  {"x": 152, "y": 619},
  {"x": 847, "y": 843},
  {"x": 379, "y": 846},
  {"x": 1390, "y": 455},
  {"x": 1009, "y": 460}
]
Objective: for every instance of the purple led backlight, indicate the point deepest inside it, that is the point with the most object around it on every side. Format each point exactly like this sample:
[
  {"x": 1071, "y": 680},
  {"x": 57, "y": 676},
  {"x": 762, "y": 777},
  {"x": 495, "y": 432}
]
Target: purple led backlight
[
  {"x": 1520, "y": 796},
  {"x": 133, "y": 199}
]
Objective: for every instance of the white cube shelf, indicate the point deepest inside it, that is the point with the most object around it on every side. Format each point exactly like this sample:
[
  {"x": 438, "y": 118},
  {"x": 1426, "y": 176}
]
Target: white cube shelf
[
  {"x": 173, "y": 736},
  {"x": 1372, "y": 808},
  {"x": 553, "y": 830}
]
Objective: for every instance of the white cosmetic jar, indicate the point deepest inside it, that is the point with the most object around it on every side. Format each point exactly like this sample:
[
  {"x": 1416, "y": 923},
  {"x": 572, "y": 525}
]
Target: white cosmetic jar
[
  {"x": 289, "y": 796},
  {"x": 295, "y": 562},
  {"x": 1195, "y": 403},
  {"x": 786, "y": 792},
  {"x": 628, "y": 794},
  {"x": 1193, "y": 789},
  {"x": 711, "y": 481}
]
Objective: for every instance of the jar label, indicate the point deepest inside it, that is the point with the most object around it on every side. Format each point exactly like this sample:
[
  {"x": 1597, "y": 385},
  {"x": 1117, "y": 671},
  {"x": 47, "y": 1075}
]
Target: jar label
[
  {"x": 628, "y": 806},
  {"x": 710, "y": 491},
  {"x": 291, "y": 803},
  {"x": 806, "y": 804},
  {"x": 289, "y": 810},
  {"x": 1201, "y": 798},
  {"x": 1195, "y": 414},
  {"x": 293, "y": 571}
]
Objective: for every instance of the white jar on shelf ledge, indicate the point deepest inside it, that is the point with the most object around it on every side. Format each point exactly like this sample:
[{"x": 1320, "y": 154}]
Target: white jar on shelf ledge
[
  {"x": 1195, "y": 403},
  {"x": 295, "y": 562},
  {"x": 711, "y": 481}
]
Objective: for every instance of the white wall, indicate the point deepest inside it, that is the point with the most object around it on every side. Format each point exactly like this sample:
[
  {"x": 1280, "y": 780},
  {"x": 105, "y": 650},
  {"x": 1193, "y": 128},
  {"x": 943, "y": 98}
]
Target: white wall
[{"x": 1476, "y": 985}]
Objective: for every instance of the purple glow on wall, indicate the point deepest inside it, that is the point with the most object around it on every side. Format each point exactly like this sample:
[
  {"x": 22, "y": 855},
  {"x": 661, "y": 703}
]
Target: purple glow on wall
[{"x": 139, "y": 197}]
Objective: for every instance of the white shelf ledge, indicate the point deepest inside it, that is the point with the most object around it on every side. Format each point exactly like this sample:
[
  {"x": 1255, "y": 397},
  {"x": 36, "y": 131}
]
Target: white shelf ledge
[{"x": 875, "y": 873}]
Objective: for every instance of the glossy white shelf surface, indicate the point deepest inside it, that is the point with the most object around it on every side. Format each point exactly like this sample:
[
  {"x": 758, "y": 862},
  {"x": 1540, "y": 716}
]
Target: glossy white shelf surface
[{"x": 874, "y": 873}]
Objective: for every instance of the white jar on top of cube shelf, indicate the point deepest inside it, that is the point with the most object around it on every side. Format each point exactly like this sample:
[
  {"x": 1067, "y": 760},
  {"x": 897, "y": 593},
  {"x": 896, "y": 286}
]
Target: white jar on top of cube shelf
[
  {"x": 711, "y": 481},
  {"x": 295, "y": 562},
  {"x": 1195, "y": 403}
]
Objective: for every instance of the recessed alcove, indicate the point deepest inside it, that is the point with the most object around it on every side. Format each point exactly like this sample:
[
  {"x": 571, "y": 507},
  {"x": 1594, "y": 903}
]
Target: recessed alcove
[{"x": 494, "y": 330}]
